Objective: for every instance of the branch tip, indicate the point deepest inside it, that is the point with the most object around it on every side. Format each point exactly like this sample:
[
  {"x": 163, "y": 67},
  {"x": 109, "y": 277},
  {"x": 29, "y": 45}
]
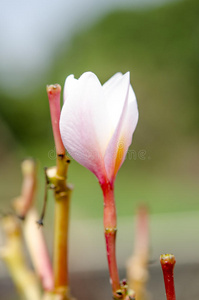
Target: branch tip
[
  {"x": 53, "y": 88},
  {"x": 167, "y": 259}
]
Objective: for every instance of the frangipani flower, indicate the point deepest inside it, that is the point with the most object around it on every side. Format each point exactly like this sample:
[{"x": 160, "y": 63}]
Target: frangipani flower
[{"x": 97, "y": 122}]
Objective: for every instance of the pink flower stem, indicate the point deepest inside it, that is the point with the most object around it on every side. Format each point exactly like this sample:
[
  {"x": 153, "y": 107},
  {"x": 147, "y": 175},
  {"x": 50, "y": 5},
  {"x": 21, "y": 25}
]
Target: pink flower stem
[
  {"x": 57, "y": 177},
  {"x": 168, "y": 262},
  {"x": 137, "y": 266},
  {"x": 53, "y": 92},
  {"x": 142, "y": 232},
  {"x": 23, "y": 203},
  {"x": 110, "y": 229},
  {"x": 38, "y": 250}
]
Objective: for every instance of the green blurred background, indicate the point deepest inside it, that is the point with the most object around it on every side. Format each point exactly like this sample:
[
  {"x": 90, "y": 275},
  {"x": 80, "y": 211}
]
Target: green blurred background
[{"x": 159, "y": 45}]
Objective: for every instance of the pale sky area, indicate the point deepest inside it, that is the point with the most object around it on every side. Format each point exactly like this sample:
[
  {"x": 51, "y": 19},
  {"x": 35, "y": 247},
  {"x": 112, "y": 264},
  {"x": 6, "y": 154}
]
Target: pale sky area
[{"x": 30, "y": 29}]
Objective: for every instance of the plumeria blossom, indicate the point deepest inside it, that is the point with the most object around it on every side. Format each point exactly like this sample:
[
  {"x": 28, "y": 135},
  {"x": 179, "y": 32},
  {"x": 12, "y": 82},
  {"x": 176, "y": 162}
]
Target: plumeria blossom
[{"x": 97, "y": 122}]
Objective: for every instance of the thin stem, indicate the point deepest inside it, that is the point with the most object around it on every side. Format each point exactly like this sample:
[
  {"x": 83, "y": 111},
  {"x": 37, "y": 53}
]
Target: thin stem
[
  {"x": 168, "y": 262},
  {"x": 110, "y": 229},
  {"x": 119, "y": 290},
  {"x": 23, "y": 203},
  {"x": 61, "y": 241},
  {"x": 36, "y": 245},
  {"x": 14, "y": 256},
  {"x": 142, "y": 232},
  {"x": 57, "y": 177},
  {"x": 41, "y": 219},
  {"x": 53, "y": 92},
  {"x": 137, "y": 266}
]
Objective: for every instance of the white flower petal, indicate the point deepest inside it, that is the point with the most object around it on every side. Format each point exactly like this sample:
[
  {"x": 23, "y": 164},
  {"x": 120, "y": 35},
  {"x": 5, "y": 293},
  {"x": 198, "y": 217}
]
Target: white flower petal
[
  {"x": 70, "y": 85},
  {"x": 81, "y": 123},
  {"x": 110, "y": 84},
  {"x": 129, "y": 124},
  {"x": 122, "y": 137},
  {"x": 97, "y": 122},
  {"x": 115, "y": 95}
]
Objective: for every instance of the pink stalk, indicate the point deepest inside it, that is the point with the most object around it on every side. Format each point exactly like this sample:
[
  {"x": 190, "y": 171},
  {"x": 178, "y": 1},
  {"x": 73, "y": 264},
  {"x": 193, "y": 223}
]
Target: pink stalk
[
  {"x": 137, "y": 266},
  {"x": 110, "y": 229},
  {"x": 53, "y": 92},
  {"x": 168, "y": 262},
  {"x": 38, "y": 250},
  {"x": 57, "y": 177},
  {"x": 142, "y": 233},
  {"x": 24, "y": 202}
]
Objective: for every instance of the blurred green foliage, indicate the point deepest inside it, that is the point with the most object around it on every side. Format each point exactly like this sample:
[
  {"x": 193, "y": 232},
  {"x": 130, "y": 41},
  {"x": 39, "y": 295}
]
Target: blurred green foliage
[{"x": 160, "y": 48}]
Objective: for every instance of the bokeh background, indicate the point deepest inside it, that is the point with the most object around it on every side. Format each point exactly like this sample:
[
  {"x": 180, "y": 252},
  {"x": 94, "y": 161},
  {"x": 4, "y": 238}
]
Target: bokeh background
[{"x": 158, "y": 42}]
